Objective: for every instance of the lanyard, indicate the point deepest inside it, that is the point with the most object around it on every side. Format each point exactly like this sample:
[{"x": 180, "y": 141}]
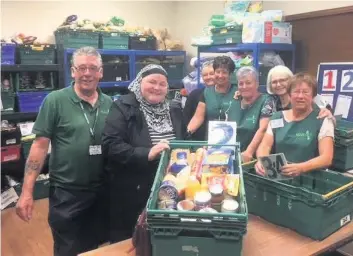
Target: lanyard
[
  {"x": 91, "y": 130},
  {"x": 225, "y": 112}
]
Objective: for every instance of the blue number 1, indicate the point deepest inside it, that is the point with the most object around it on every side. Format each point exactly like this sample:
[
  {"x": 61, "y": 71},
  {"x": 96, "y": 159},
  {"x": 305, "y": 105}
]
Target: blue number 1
[{"x": 349, "y": 85}]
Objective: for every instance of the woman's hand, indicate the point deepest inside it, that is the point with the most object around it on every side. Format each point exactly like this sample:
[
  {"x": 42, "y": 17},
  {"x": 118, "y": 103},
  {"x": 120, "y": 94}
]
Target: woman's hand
[
  {"x": 236, "y": 95},
  {"x": 293, "y": 170},
  {"x": 157, "y": 149},
  {"x": 246, "y": 156},
  {"x": 324, "y": 112},
  {"x": 259, "y": 168}
]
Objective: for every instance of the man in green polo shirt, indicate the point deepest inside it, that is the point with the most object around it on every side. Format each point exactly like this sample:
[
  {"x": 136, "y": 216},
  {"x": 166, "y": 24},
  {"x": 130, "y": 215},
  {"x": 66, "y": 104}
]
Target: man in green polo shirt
[{"x": 72, "y": 119}]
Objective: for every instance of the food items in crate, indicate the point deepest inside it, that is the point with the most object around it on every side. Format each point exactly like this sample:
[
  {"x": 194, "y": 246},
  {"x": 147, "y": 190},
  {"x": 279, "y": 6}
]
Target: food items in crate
[
  {"x": 25, "y": 81},
  {"x": 202, "y": 200},
  {"x": 186, "y": 205},
  {"x": 204, "y": 179},
  {"x": 229, "y": 206}
]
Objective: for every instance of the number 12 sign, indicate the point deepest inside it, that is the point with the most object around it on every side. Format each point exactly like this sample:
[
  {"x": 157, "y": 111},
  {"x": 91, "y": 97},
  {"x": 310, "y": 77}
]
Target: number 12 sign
[{"x": 333, "y": 76}]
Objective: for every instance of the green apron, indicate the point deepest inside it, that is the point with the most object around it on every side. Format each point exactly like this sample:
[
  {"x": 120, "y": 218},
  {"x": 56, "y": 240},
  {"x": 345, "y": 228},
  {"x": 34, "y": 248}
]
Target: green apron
[
  {"x": 247, "y": 120},
  {"x": 218, "y": 104},
  {"x": 297, "y": 140}
]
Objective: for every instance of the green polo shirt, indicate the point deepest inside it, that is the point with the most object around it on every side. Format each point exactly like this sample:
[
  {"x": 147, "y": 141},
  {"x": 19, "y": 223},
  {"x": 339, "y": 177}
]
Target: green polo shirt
[{"x": 62, "y": 120}]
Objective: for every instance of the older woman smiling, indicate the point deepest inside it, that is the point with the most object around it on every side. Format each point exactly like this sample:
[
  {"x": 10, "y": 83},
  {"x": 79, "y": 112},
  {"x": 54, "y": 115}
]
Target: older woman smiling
[{"x": 305, "y": 140}]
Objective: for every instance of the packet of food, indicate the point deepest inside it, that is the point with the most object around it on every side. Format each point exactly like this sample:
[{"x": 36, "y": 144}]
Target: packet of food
[{"x": 232, "y": 184}]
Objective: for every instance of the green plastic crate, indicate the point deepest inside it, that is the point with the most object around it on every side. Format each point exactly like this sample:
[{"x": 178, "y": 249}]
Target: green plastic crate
[
  {"x": 227, "y": 35},
  {"x": 300, "y": 204},
  {"x": 47, "y": 76},
  {"x": 182, "y": 233},
  {"x": 175, "y": 71},
  {"x": 115, "y": 41},
  {"x": 8, "y": 101},
  {"x": 344, "y": 129},
  {"x": 26, "y": 146},
  {"x": 37, "y": 55},
  {"x": 343, "y": 160},
  {"x": 76, "y": 38}
]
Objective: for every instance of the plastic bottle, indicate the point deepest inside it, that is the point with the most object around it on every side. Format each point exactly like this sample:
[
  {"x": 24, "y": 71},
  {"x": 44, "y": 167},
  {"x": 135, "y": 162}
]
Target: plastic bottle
[{"x": 192, "y": 187}]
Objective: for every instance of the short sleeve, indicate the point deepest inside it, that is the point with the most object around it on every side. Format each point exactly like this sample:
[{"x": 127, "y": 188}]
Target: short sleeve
[
  {"x": 327, "y": 129},
  {"x": 268, "y": 107},
  {"x": 45, "y": 123},
  {"x": 202, "y": 97}
]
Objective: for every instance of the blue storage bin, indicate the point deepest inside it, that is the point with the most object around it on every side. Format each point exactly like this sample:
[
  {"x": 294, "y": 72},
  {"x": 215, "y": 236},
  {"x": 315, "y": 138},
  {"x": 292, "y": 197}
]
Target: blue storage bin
[
  {"x": 30, "y": 102},
  {"x": 8, "y": 54}
]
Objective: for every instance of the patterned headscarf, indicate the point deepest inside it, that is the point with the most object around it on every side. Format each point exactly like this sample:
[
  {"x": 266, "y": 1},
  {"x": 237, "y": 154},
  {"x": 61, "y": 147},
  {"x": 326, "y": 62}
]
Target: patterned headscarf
[{"x": 157, "y": 115}]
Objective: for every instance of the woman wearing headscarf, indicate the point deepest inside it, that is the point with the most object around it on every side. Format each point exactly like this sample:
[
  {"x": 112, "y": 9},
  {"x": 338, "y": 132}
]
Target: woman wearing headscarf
[
  {"x": 138, "y": 128},
  {"x": 207, "y": 75}
]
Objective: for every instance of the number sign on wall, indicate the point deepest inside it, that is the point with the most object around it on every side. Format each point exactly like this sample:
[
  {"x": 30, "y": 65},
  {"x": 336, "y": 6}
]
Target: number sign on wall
[{"x": 336, "y": 80}]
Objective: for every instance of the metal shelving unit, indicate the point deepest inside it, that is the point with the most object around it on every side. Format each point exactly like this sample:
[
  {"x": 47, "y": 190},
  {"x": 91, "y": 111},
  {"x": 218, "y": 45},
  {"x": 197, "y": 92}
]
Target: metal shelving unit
[
  {"x": 255, "y": 48},
  {"x": 132, "y": 56}
]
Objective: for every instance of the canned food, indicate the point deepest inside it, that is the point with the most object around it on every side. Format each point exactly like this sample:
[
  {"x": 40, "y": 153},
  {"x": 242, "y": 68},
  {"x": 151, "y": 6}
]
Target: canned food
[
  {"x": 167, "y": 205},
  {"x": 230, "y": 206},
  {"x": 186, "y": 205},
  {"x": 168, "y": 191},
  {"x": 202, "y": 200}
]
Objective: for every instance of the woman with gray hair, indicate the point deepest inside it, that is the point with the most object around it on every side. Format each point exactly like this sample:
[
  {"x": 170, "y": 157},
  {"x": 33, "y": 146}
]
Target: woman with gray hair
[
  {"x": 251, "y": 112},
  {"x": 278, "y": 87}
]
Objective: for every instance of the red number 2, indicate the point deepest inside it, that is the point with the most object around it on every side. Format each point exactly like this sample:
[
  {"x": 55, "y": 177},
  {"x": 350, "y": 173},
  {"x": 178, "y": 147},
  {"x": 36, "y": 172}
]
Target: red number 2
[{"x": 329, "y": 85}]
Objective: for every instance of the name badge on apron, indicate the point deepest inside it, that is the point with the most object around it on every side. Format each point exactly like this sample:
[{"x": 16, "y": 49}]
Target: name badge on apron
[
  {"x": 277, "y": 123},
  {"x": 95, "y": 150}
]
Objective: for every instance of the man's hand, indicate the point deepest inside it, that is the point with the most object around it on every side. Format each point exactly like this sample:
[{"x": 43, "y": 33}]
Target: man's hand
[{"x": 24, "y": 207}]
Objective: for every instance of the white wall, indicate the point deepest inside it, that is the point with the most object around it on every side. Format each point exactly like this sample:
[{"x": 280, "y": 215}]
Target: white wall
[{"x": 41, "y": 18}]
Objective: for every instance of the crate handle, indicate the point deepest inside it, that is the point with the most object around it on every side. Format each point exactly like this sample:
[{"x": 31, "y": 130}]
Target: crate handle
[
  {"x": 37, "y": 48},
  {"x": 330, "y": 194}
]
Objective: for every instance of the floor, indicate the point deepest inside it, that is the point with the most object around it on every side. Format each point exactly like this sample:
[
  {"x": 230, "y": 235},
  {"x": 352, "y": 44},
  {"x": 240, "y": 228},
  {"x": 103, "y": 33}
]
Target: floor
[{"x": 19, "y": 238}]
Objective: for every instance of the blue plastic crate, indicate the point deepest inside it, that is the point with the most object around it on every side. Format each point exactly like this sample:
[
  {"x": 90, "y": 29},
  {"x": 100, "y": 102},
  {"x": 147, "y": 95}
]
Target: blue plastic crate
[
  {"x": 30, "y": 102},
  {"x": 8, "y": 54}
]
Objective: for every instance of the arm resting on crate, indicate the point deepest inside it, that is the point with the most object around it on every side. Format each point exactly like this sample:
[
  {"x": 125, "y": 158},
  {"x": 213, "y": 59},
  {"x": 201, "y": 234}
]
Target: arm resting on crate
[
  {"x": 198, "y": 118},
  {"x": 259, "y": 135},
  {"x": 325, "y": 157},
  {"x": 115, "y": 140}
]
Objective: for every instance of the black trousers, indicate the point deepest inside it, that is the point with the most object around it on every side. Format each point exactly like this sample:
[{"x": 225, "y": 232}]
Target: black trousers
[{"x": 77, "y": 220}]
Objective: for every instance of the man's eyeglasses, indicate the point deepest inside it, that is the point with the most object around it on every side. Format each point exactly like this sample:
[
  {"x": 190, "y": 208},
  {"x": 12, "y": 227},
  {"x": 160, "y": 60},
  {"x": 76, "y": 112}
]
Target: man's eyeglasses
[{"x": 84, "y": 69}]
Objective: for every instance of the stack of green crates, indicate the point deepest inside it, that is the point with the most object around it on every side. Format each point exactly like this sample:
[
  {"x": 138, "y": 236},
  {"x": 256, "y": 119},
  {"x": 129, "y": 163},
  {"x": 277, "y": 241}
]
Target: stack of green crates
[
  {"x": 37, "y": 54},
  {"x": 8, "y": 97},
  {"x": 67, "y": 38},
  {"x": 315, "y": 204},
  {"x": 182, "y": 233},
  {"x": 227, "y": 35},
  {"x": 114, "y": 40},
  {"x": 343, "y": 159}
]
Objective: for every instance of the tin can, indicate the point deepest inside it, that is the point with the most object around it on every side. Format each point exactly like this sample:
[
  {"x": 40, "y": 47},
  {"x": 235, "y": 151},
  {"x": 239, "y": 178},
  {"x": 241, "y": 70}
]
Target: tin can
[
  {"x": 230, "y": 206},
  {"x": 216, "y": 191},
  {"x": 202, "y": 200},
  {"x": 168, "y": 191},
  {"x": 186, "y": 205},
  {"x": 167, "y": 205}
]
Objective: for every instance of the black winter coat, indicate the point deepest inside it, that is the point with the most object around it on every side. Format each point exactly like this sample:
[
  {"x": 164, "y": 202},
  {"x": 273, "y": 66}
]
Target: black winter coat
[{"x": 126, "y": 145}]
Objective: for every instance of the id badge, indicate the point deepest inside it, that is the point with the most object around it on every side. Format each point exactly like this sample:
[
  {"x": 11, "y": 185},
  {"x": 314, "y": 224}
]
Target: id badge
[
  {"x": 95, "y": 150},
  {"x": 277, "y": 123}
]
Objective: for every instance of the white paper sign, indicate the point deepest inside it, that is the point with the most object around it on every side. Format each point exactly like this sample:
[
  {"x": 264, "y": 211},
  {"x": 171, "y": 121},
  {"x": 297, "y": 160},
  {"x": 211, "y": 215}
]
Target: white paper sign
[
  {"x": 343, "y": 105},
  {"x": 26, "y": 128},
  {"x": 7, "y": 197},
  {"x": 347, "y": 81},
  {"x": 323, "y": 99}
]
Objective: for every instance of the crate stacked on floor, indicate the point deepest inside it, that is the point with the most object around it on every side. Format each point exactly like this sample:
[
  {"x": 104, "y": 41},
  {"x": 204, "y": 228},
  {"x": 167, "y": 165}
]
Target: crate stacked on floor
[
  {"x": 195, "y": 232},
  {"x": 28, "y": 81},
  {"x": 343, "y": 160}
]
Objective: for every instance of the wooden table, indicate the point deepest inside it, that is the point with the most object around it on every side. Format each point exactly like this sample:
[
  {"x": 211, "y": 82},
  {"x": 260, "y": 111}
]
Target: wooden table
[{"x": 262, "y": 239}]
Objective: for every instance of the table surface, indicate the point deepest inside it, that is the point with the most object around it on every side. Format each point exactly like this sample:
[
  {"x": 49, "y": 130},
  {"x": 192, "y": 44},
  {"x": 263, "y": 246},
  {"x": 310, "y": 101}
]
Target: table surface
[{"x": 262, "y": 239}]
